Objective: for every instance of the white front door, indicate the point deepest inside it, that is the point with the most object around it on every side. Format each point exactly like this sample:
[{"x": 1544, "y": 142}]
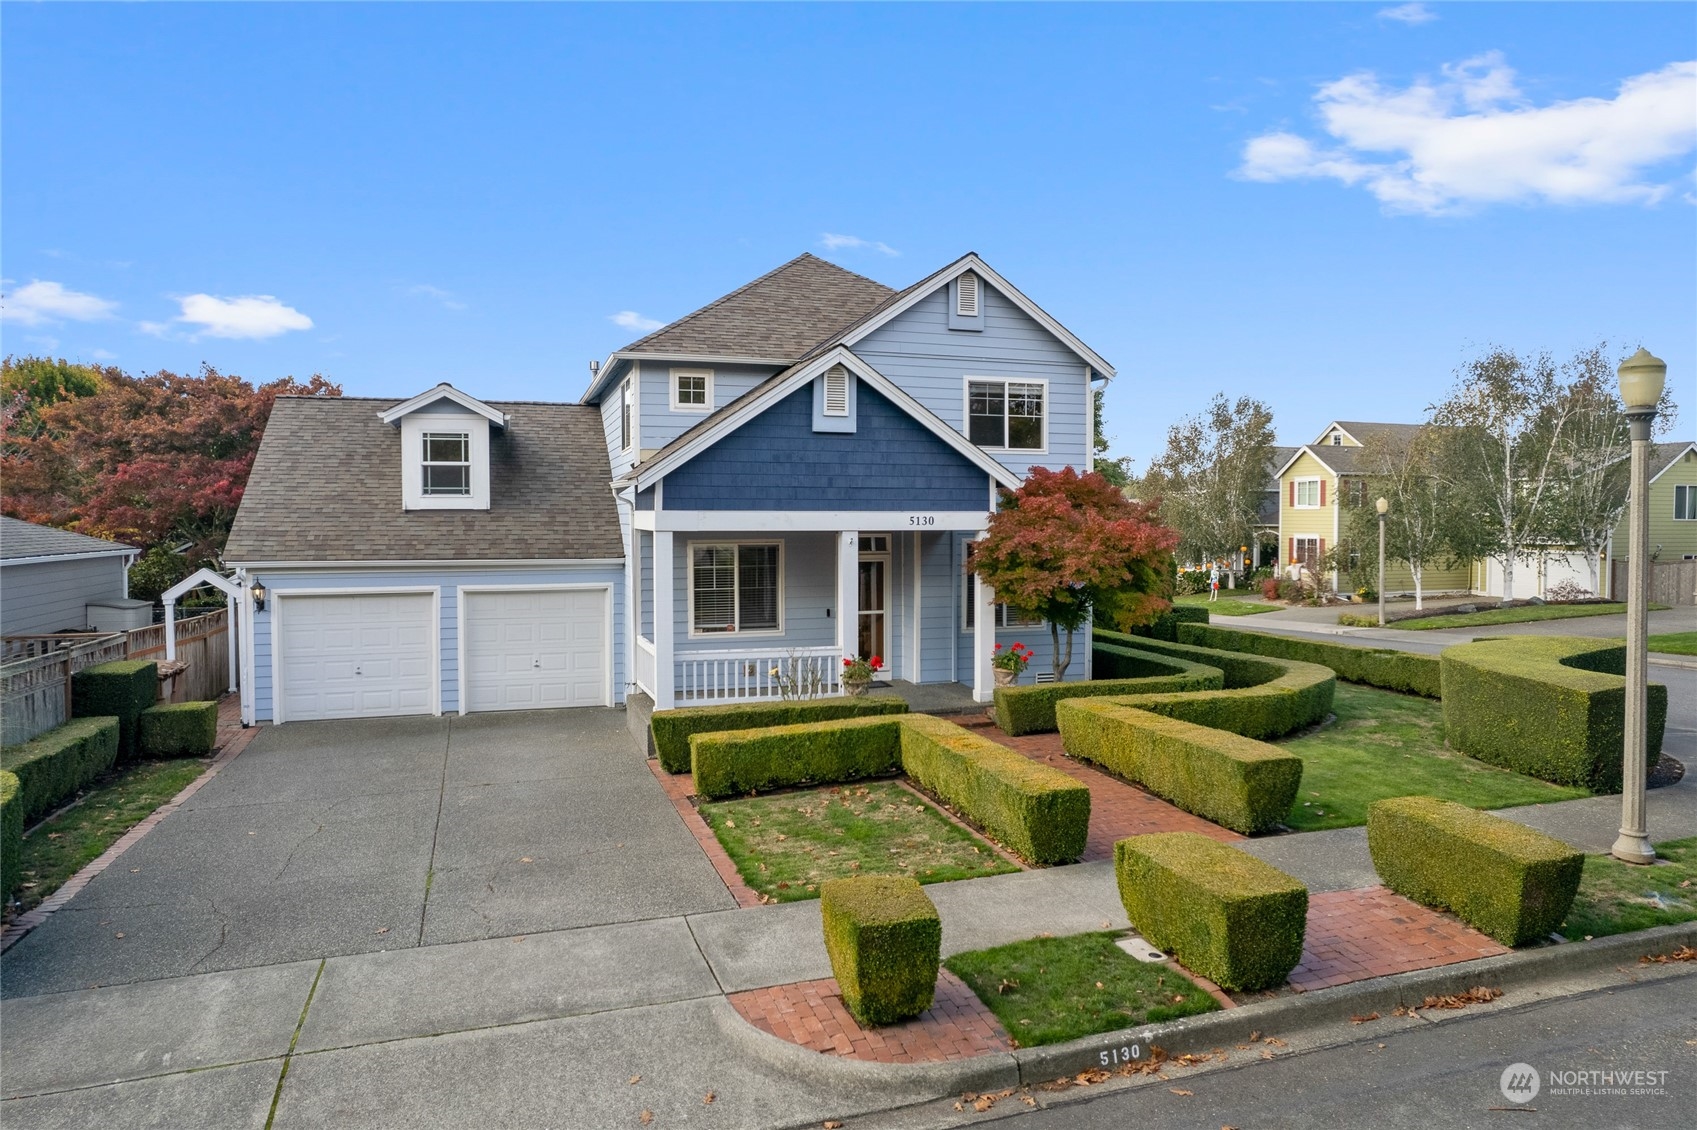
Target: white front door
[
  {"x": 527, "y": 649},
  {"x": 361, "y": 655}
]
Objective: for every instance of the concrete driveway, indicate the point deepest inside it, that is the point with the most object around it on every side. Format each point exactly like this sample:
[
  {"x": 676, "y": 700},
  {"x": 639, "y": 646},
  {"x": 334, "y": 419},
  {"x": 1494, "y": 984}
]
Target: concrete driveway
[{"x": 330, "y": 838}]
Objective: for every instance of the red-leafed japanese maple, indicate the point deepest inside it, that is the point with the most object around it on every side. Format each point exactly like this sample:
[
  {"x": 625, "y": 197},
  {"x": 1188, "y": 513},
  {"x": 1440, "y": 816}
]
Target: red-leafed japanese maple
[{"x": 1069, "y": 547}]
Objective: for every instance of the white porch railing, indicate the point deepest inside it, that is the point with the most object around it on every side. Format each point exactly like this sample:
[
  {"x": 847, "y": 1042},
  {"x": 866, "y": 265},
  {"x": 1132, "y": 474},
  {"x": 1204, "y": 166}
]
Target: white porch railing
[
  {"x": 644, "y": 674},
  {"x": 748, "y": 676}
]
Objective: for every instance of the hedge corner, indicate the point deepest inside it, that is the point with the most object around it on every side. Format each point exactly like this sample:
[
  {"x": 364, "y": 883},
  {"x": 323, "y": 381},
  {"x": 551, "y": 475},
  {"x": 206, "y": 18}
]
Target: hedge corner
[
  {"x": 122, "y": 689},
  {"x": 885, "y": 939},
  {"x": 11, "y": 833},
  {"x": 178, "y": 729}
]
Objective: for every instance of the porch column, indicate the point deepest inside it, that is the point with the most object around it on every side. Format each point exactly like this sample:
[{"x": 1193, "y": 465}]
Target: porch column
[
  {"x": 848, "y": 593},
  {"x": 665, "y": 584},
  {"x": 983, "y": 640}
]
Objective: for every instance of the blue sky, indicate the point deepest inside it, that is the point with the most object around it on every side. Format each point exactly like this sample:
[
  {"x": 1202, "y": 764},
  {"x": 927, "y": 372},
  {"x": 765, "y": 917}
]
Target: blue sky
[{"x": 1329, "y": 207}]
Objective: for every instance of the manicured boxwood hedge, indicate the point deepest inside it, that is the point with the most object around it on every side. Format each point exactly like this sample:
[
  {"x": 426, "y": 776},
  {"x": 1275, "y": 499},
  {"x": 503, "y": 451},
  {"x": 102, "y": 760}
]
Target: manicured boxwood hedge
[
  {"x": 121, "y": 690},
  {"x": 11, "y": 833},
  {"x": 178, "y": 729},
  {"x": 736, "y": 762},
  {"x": 1264, "y": 698},
  {"x": 1381, "y": 667},
  {"x": 671, "y": 729},
  {"x": 1238, "y": 782},
  {"x": 1552, "y": 707},
  {"x": 52, "y": 767},
  {"x": 1223, "y": 913},
  {"x": 1166, "y": 626},
  {"x": 885, "y": 941},
  {"x": 1509, "y": 881},
  {"x": 1039, "y": 813},
  {"x": 1031, "y": 710}
]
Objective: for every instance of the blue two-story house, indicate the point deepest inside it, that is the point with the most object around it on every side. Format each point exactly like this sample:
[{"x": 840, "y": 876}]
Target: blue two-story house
[{"x": 792, "y": 474}]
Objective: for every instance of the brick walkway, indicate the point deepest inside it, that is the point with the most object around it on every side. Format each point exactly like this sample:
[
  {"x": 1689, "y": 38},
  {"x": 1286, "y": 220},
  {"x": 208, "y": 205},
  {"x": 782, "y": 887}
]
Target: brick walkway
[
  {"x": 1372, "y": 932},
  {"x": 812, "y": 1014},
  {"x": 680, "y": 790},
  {"x": 1117, "y": 809},
  {"x": 232, "y": 739}
]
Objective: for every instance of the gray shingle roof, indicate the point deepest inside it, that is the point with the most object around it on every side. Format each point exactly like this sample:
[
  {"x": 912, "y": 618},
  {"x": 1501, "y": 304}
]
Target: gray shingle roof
[
  {"x": 21, "y": 540},
  {"x": 326, "y": 486},
  {"x": 1662, "y": 455},
  {"x": 779, "y": 315}
]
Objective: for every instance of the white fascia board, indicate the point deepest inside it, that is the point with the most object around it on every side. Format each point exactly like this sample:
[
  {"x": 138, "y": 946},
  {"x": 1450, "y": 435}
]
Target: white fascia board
[
  {"x": 1334, "y": 426},
  {"x": 445, "y": 563},
  {"x": 1299, "y": 453},
  {"x": 604, "y": 378},
  {"x": 51, "y": 558},
  {"x": 971, "y": 262},
  {"x": 444, "y": 391},
  {"x": 802, "y": 521},
  {"x": 1673, "y": 462}
]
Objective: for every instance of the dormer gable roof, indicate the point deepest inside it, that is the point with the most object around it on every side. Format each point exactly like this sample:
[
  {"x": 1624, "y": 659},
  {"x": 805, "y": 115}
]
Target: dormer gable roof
[{"x": 444, "y": 391}]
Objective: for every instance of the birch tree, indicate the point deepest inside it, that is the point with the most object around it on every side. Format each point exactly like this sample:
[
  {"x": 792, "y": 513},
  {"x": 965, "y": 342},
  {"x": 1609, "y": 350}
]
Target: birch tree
[{"x": 1211, "y": 477}]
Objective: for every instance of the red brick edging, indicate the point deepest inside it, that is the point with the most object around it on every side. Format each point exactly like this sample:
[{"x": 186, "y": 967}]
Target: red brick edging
[
  {"x": 232, "y": 739},
  {"x": 680, "y": 790},
  {"x": 812, "y": 1014}
]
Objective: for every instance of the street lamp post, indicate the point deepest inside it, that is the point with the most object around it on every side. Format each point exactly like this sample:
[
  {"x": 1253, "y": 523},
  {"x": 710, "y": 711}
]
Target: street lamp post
[
  {"x": 1382, "y": 506},
  {"x": 1641, "y": 379}
]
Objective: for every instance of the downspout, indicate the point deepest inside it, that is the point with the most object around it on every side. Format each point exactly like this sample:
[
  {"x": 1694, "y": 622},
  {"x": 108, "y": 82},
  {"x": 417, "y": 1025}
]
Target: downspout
[{"x": 633, "y": 615}]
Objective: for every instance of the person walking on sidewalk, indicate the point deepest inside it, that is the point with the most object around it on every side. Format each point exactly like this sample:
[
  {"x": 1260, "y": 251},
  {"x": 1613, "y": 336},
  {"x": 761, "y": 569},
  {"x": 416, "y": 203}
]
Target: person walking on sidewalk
[{"x": 1214, "y": 581}]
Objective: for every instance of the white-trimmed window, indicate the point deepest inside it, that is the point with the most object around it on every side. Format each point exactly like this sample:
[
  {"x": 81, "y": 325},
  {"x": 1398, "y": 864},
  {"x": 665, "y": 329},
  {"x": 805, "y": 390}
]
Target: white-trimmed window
[
  {"x": 447, "y": 463},
  {"x": 1304, "y": 551},
  {"x": 1005, "y": 616},
  {"x": 692, "y": 390},
  {"x": 627, "y": 393},
  {"x": 1007, "y": 415},
  {"x": 735, "y": 587},
  {"x": 1685, "y": 503},
  {"x": 1305, "y": 494},
  {"x": 966, "y": 296},
  {"x": 1337, "y": 439}
]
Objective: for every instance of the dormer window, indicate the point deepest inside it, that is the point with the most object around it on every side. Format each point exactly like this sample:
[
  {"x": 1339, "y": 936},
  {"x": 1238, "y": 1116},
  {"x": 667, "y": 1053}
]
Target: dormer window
[
  {"x": 447, "y": 463},
  {"x": 966, "y": 296},
  {"x": 1337, "y": 439},
  {"x": 692, "y": 390}
]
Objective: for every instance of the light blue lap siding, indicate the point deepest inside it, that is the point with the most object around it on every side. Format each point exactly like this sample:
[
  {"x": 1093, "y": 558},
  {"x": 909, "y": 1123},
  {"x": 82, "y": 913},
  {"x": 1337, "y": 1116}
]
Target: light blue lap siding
[
  {"x": 777, "y": 461},
  {"x": 660, "y": 424},
  {"x": 449, "y": 579},
  {"x": 931, "y": 362},
  {"x": 809, "y": 565}
]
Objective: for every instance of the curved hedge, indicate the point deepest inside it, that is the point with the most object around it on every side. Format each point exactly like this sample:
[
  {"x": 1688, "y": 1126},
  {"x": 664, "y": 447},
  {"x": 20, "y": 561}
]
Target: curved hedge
[
  {"x": 1031, "y": 710},
  {"x": 1263, "y": 698},
  {"x": 672, "y": 729},
  {"x": 1170, "y": 623},
  {"x": 1552, "y": 707},
  {"x": 1381, "y": 667}
]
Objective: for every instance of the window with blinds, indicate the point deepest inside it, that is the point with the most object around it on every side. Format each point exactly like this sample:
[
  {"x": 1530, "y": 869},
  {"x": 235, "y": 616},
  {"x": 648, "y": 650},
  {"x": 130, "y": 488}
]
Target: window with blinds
[{"x": 735, "y": 587}]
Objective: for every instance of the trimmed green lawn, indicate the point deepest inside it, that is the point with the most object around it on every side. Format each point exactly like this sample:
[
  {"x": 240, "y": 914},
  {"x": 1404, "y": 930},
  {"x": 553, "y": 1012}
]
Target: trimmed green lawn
[
  {"x": 1049, "y": 990},
  {"x": 1227, "y": 606},
  {"x": 1675, "y": 643},
  {"x": 786, "y": 844},
  {"x": 1385, "y": 744},
  {"x": 60, "y": 847},
  {"x": 1615, "y": 897},
  {"x": 1521, "y": 615}
]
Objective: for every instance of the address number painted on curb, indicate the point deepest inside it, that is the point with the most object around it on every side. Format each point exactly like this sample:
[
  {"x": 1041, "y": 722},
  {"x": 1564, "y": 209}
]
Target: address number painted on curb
[{"x": 1134, "y": 1052}]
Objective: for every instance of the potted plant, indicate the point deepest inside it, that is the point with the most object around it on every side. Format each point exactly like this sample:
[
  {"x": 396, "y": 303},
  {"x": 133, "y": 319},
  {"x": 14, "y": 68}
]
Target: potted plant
[
  {"x": 857, "y": 674},
  {"x": 1009, "y": 663}
]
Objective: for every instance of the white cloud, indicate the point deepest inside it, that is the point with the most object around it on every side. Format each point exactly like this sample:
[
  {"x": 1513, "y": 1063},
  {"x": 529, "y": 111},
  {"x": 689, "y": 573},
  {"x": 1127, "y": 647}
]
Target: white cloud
[
  {"x": 103, "y": 355},
  {"x": 1408, "y": 14},
  {"x": 445, "y": 297},
  {"x": 38, "y": 302},
  {"x": 631, "y": 320},
  {"x": 1471, "y": 138},
  {"x": 255, "y": 316},
  {"x": 830, "y": 241}
]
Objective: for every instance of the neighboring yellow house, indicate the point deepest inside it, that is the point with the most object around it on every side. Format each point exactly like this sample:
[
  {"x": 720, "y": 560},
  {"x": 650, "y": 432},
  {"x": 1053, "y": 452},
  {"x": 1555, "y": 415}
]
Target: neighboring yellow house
[
  {"x": 1673, "y": 509},
  {"x": 1320, "y": 481}
]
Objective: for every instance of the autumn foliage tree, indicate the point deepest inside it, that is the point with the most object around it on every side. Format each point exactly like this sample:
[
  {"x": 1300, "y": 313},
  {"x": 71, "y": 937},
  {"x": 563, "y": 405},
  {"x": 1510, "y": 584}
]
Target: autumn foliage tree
[
  {"x": 159, "y": 459},
  {"x": 1069, "y": 547}
]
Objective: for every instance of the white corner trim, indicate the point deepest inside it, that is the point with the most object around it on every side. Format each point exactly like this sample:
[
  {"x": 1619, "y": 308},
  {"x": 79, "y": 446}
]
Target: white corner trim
[
  {"x": 460, "y": 633},
  {"x": 444, "y": 391}
]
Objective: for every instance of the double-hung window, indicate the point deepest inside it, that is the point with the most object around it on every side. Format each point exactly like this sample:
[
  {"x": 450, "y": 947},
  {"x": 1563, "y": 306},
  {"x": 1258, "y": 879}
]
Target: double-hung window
[
  {"x": 1006, "y": 415},
  {"x": 735, "y": 587},
  {"x": 1685, "y": 503},
  {"x": 1307, "y": 492},
  {"x": 1005, "y": 616},
  {"x": 447, "y": 463}
]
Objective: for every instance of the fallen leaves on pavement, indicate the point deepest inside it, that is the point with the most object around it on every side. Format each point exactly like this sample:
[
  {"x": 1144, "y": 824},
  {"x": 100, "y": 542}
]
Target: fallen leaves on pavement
[
  {"x": 1683, "y": 953},
  {"x": 1477, "y": 995},
  {"x": 645, "y": 1117},
  {"x": 1364, "y": 1019},
  {"x": 1181, "y": 1091}
]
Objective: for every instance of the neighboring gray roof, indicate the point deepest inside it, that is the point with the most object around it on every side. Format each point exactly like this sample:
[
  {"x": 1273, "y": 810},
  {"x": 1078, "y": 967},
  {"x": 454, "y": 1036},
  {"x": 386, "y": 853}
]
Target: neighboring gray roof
[
  {"x": 1276, "y": 462},
  {"x": 778, "y": 316},
  {"x": 326, "y": 486},
  {"x": 1662, "y": 455},
  {"x": 20, "y": 541}
]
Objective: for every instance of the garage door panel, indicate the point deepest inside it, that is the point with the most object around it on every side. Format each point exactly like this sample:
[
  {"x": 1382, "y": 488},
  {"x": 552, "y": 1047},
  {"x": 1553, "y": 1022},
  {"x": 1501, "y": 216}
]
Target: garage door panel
[
  {"x": 527, "y": 650},
  {"x": 356, "y": 655}
]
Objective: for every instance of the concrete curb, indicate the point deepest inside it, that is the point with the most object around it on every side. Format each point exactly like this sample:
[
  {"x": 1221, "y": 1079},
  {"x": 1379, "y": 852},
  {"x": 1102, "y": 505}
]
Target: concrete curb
[
  {"x": 909, "y": 1083},
  {"x": 1667, "y": 659}
]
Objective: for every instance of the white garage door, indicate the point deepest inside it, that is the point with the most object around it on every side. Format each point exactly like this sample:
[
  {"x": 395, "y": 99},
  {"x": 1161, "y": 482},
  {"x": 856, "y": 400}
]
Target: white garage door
[
  {"x": 534, "y": 648},
  {"x": 357, "y": 656}
]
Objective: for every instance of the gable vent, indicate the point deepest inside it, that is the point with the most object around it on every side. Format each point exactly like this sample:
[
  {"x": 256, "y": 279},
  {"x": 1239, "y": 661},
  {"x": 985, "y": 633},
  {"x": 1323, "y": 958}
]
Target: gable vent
[
  {"x": 966, "y": 296},
  {"x": 836, "y": 391}
]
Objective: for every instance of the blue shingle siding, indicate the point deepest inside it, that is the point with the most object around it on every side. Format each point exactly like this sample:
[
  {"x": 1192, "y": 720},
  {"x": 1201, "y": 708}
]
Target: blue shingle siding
[{"x": 778, "y": 462}]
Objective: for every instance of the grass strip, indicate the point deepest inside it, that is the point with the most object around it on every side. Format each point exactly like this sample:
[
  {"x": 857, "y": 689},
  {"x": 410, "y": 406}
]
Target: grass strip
[{"x": 1616, "y": 897}]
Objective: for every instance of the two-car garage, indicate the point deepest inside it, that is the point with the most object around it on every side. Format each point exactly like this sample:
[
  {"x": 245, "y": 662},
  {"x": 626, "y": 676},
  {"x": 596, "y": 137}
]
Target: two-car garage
[{"x": 364, "y": 653}]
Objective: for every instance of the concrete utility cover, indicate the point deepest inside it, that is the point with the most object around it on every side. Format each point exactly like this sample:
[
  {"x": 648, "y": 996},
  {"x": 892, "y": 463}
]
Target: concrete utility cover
[{"x": 1140, "y": 949}]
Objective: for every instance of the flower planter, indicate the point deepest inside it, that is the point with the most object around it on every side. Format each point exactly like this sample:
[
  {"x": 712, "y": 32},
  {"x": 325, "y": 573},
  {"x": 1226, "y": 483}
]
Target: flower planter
[
  {"x": 1005, "y": 677},
  {"x": 856, "y": 687}
]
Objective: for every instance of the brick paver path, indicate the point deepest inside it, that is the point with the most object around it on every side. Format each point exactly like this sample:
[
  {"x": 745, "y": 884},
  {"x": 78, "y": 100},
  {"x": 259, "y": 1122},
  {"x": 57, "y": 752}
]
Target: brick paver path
[
  {"x": 1117, "y": 809},
  {"x": 680, "y": 790},
  {"x": 812, "y": 1014},
  {"x": 1372, "y": 932}
]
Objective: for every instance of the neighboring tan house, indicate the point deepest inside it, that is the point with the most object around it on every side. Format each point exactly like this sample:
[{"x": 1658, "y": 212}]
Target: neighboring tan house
[
  {"x": 49, "y": 577},
  {"x": 1673, "y": 509},
  {"x": 792, "y": 474}
]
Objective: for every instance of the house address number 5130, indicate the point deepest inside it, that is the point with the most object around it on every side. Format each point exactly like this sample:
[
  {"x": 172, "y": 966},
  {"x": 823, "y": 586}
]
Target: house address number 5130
[
  {"x": 1125, "y": 1053},
  {"x": 922, "y": 519}
]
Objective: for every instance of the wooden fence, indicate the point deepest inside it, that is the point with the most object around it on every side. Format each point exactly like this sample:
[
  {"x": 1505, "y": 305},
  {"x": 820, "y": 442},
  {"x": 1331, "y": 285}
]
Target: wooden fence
[
  {"x": 1671, "y": 582},
  {"x": 35, "y": 678}
]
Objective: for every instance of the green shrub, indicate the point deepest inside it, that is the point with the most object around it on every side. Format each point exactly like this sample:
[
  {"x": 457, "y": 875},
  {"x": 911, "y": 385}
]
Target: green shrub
[
  {"x": 885, "y": 940},
  {"x": 1386, "y": 668},
  {"x": 736, "y": 762},
  {"x": 52, "y": 767},
  {"x": 672, "y": 729},
  {"x": 1507, "y": 880},
  {"x": 1039, "y": 813},
  {"x": 1166, "y": 625},
  {"x": 178, "y": 729},
  {"x": 1223, "y": 913},
  {"x": 1264, "y": 697},
  {"x": 1237, "y": 782},
  {"x": 1031, "y": 710},
  {"x": 121, "y": 690},
  {"x": 1552, "y": 707},
  {"x": 11, "y": 834}
]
